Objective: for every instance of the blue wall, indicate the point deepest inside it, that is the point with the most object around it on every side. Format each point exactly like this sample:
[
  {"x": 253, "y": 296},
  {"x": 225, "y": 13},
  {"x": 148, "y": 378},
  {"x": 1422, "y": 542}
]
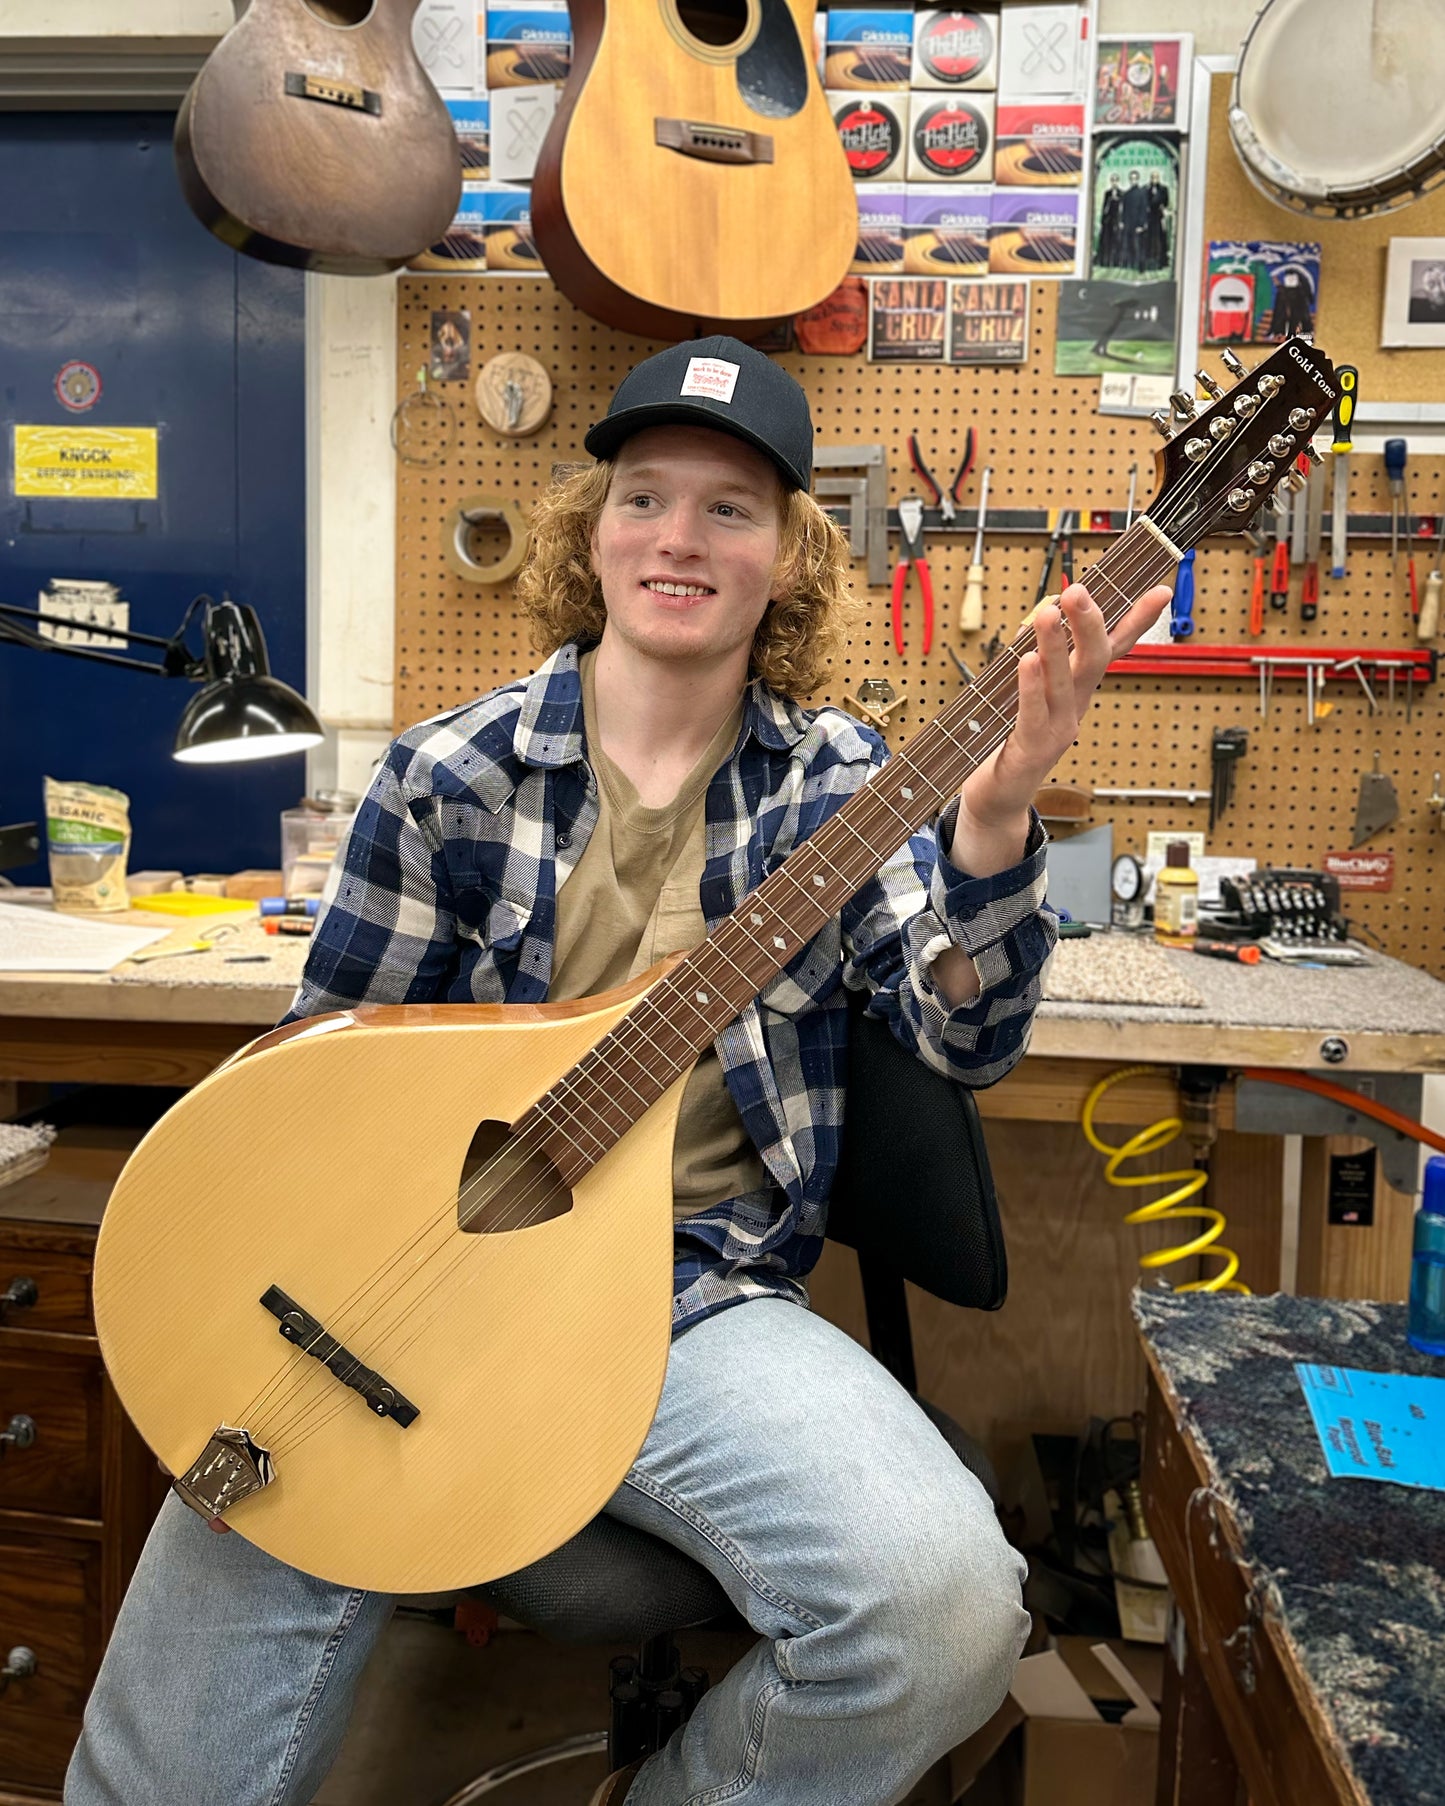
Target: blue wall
[{"x": 101, "y": 260}]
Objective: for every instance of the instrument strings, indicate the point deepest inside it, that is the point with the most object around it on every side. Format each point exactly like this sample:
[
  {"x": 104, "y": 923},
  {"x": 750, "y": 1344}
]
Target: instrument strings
[{"x": 480, "y": 1191}]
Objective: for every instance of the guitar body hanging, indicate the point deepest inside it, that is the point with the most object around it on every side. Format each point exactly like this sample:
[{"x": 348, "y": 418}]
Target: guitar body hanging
[
  {"x": 313, "y": 137},
  {"x": 692, "y": 180}
]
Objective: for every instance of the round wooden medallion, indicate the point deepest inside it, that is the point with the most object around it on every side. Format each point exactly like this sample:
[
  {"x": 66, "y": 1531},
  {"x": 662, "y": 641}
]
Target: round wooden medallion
[{"x": 514, "y": 394}]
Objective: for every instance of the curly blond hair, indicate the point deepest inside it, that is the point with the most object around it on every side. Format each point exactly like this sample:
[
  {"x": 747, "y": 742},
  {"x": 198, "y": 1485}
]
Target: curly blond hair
[{"x": 805, "y": 624}]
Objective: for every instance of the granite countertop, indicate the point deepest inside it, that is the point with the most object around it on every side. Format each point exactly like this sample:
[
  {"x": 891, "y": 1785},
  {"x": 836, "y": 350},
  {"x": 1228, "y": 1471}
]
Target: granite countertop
[{"x": 1354, "y": 1568}]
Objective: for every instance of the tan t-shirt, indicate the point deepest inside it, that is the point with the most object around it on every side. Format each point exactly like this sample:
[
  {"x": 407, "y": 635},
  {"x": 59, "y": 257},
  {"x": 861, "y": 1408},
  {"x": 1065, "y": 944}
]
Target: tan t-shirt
[{"x": 631, "y": 899}]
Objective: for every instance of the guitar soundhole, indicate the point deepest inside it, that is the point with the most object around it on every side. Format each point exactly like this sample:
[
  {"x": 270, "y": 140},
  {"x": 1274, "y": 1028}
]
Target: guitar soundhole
[
  {"x": 504, "y": 1187},
  {"x": 340, "y": 12},
  {"x": 714, "y": 22}
]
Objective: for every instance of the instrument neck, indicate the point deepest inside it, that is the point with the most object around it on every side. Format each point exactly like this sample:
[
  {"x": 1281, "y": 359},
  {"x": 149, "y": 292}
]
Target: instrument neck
[{"x": 594, "y": 1104}]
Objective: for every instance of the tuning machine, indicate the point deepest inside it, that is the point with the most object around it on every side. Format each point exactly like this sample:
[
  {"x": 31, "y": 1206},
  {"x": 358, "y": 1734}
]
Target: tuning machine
[
  {"x": 1234, "y": 365},
  {"x": 1206, "y": 382}
]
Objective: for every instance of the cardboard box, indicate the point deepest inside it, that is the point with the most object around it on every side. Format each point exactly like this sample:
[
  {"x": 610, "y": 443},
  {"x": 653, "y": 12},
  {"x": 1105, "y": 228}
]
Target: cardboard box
[
  {"x": 954, "y": 50},
  {"x": 869, "y": 47},
  {"x": 950, "y": 137},
  {"x": 1049, "y": 1744},
  {"x": 526, "y": 43},
  {"x": 873, "y": 130},
  {"x": 879, "y": 250}
]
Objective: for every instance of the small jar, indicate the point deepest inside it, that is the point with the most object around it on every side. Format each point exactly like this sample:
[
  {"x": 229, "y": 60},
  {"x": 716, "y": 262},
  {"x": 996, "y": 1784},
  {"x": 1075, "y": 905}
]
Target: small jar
[
  {"x": 1176, "y": 898},
  {"x": 1426, "y": 1330}
]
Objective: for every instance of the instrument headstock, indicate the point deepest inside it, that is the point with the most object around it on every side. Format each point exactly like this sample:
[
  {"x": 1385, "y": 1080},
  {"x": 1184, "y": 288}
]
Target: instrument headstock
[{"x": 1222, "y": 463}]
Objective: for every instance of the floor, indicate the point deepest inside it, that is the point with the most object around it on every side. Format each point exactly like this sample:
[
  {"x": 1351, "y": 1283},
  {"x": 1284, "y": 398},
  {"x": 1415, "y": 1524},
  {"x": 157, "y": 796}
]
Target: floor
[{"x": 433, "y": 1712}]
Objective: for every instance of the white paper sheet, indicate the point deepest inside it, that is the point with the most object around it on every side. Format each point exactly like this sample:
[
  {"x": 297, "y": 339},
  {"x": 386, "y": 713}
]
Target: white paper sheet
[{"x": 40, "y": 940}]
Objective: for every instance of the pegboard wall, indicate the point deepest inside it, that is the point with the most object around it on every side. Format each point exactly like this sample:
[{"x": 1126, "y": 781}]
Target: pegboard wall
[{"x": 1295, "y": 790}]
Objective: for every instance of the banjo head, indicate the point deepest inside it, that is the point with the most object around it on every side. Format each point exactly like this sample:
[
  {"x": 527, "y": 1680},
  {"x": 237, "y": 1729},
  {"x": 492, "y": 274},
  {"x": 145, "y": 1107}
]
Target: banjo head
[{"x": 1338, "y": 109}]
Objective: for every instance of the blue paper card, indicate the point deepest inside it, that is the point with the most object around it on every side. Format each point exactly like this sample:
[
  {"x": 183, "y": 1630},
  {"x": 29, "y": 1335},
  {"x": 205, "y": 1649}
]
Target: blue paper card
[{"x": 1378, "y": 1426}]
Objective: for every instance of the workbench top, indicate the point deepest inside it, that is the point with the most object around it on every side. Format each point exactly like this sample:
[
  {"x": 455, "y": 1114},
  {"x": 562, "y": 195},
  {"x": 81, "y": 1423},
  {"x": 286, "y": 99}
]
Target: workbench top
[{"x": 1391, "y": 1016}]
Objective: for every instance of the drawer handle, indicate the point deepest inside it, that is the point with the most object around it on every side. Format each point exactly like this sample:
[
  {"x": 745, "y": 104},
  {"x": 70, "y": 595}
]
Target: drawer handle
[
  {"x": 19, "y": 1433},
  {"x": 18, "y": 1293},
  {"x": 20, "y": 1662}
]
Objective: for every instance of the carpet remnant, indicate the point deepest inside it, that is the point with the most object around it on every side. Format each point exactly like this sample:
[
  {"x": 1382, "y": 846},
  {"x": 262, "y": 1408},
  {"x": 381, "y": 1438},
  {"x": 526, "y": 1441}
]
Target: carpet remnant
[{"x": 1117, "y": 968}]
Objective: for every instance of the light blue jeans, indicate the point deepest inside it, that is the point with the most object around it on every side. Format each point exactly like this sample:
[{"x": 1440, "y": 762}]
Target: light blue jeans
[{"x": 782, "y": 1456}]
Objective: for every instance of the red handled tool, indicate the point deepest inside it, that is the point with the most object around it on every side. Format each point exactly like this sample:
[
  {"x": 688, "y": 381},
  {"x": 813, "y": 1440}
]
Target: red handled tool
[{"x": 910, "y": 532}]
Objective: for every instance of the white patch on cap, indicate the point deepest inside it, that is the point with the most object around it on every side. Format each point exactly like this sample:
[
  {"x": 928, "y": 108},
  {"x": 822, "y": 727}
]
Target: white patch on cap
[{"x": 711, "y": 377}]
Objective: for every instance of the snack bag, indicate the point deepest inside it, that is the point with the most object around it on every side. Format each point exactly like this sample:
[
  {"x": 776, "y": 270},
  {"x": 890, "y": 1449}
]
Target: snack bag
[{"x": 88, "y": 830}]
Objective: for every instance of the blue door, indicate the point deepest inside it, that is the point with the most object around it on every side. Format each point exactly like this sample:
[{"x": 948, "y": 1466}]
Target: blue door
[{"x": 102, "y": 264}]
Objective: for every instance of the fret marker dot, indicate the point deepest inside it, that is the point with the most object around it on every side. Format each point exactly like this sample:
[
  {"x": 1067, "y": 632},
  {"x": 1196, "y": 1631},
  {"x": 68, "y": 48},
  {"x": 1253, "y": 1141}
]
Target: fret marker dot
[
  {"x": 819, "y": 880},
  {"x": 974, "y": 728},
  {"x": 778, "y": 941},
  {"x": 756, "y": 919},
  {"x": 702, "y": 997},
  {"x": 906, "y": 794}
]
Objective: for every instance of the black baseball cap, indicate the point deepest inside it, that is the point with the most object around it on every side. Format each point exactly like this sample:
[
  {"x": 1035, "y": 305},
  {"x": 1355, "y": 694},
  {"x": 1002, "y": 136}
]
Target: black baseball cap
[{"x": 717, "y": 382}]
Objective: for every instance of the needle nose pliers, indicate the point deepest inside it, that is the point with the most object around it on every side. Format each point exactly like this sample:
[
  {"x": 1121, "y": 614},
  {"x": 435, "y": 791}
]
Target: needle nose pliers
[{"x": 944, "y": 503}]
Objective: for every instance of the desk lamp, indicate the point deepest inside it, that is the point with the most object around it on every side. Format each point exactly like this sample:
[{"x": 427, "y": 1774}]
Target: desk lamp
[{"x": 241, "y": 713}]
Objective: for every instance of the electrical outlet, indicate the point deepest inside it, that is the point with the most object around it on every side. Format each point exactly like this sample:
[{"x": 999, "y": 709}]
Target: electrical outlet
[{"x": 88, "y": 611}]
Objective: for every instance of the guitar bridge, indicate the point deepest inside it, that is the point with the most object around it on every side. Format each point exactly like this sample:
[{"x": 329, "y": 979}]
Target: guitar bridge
[
  {"x": 230, "y": 1468},
  {"x": 714, "y": 143},
  {"x": 350, "y": 95},
  {"x": 313, "y": 1339}
]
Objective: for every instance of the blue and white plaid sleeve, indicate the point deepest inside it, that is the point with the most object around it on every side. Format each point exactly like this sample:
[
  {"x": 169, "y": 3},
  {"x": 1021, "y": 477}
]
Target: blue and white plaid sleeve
[
  {"x": 921, "y": 903},
  {"x": 385, "y": 932}
]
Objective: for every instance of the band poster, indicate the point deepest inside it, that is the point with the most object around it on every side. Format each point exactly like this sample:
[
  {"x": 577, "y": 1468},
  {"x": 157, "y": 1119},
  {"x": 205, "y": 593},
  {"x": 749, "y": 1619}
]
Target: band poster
[{"x": 1134, "y": 206}]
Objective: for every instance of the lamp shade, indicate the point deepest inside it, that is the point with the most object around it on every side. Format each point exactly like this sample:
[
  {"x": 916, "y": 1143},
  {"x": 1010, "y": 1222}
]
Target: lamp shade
[{"x": 241, "y": 712}]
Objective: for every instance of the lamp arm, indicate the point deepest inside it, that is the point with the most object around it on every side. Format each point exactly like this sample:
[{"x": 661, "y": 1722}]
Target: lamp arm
[{"x": 177, "y": 663}]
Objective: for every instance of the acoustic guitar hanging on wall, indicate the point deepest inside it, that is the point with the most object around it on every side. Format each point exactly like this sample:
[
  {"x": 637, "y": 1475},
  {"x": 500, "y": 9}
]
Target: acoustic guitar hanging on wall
[
  {"x": 692, "y": 180},
  {"x": 313, "y": 137}
]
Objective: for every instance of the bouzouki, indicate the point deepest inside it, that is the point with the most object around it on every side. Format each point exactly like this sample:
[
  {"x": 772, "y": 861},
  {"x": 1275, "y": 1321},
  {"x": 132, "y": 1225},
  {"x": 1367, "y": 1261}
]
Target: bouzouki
[
  {"x": 313, "y": 137},
  {"x": 390, "y": 1290},
  {"x": 722, "y": 204}
]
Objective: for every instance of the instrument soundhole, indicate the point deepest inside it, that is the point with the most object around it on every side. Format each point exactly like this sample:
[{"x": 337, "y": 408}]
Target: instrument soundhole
[
  {"x": 715, "y": 22},
  {"x": 505, "y": 1186},
  {"x": 340, "y": 12}
]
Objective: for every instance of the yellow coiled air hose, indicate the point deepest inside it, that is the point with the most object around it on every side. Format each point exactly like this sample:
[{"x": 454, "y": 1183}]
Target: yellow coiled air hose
[{"x": 1174, "y": 1204}]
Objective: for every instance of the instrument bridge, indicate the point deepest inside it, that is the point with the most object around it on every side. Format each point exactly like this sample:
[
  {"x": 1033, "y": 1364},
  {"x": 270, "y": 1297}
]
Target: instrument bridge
[{"x": 312, "y": 1337}]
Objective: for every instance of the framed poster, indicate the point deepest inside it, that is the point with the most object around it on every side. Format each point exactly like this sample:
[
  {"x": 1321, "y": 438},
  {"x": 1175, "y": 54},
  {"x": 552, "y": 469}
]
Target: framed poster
[
  {"x": 1142, "y": 82},
  {"x": 1134, "y": 206},
  {"x": 1259, "y": 291},
  {"x": 1414, "y": 292}
]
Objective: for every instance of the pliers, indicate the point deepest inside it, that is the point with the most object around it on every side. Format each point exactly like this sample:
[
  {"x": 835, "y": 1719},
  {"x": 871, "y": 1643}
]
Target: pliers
[
  {"x": 910, "y": 532},
  {"x": 944, "y": 503}
]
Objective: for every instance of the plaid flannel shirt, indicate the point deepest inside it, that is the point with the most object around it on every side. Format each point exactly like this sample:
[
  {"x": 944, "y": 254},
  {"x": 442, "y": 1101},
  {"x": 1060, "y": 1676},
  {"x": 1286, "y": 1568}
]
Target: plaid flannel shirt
[{"x": 445, "y": 892}]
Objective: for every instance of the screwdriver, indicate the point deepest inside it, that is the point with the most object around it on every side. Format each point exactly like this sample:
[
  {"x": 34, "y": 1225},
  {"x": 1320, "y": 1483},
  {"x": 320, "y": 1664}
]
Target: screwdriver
[
  {"x": 1243, "y": 953},
  {"x": 970, "y": 615},
  {"x": 1395, "y": 471},
  {"x": 1428, "y": 625},
  {"x": 1279, "y": 577},
  {"x": 1348, "y": 377}
]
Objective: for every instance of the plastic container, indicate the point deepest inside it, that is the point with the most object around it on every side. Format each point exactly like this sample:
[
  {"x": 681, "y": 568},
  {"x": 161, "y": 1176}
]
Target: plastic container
[
  {"x": 1176, "y": 899},
  {"x": 1426, "y": 1330},
  {"x": 310, "y": 835}
]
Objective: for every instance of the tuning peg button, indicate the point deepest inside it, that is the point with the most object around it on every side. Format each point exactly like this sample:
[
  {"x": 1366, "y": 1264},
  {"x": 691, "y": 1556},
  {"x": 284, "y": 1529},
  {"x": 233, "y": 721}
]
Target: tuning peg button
[
  {"x": 1206, "y": 382},
  {"x": 1233, "y": 364},
  {"x": 1313, "y": 456},
  {"x": 1163, "y": 424}
]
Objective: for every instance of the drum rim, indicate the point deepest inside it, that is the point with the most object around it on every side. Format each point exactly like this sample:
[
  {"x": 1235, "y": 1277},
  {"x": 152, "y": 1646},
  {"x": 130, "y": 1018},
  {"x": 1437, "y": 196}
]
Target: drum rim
[{"x": 1383, "y": 192}]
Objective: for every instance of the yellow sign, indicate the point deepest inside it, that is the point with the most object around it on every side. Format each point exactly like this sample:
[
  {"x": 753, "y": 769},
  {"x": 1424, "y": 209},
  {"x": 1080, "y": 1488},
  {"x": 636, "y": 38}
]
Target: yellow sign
[{"x": 86, "y": 461}]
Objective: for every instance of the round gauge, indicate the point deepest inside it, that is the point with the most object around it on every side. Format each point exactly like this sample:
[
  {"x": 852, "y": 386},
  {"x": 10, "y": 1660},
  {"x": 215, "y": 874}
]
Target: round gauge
[{"x": 1127, "y": 877}]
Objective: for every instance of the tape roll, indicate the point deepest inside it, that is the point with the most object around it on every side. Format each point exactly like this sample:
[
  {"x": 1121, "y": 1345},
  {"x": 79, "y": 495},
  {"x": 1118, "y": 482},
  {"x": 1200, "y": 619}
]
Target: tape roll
[{"x": 473, "y": 513}]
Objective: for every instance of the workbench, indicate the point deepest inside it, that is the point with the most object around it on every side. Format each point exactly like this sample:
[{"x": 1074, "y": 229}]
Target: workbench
[
  {"x": 1072, "y": 1262},
  {"x": 1309, "y": 1665}
]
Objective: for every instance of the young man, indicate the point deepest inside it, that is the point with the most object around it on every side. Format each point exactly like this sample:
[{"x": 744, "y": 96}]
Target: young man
[{"x": 548, "y": 841}]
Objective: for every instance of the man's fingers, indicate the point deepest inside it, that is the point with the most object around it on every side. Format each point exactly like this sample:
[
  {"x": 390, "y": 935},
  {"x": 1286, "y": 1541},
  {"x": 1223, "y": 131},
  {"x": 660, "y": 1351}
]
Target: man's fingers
[{"x": 1140, "y": 618}]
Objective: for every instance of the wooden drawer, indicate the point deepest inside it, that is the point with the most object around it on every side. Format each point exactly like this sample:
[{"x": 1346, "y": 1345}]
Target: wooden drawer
[
  {"x": 48, "y": 1592},
  {"x": 62, "y": 1284},
  {"x": 62, "y": 1393}
]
